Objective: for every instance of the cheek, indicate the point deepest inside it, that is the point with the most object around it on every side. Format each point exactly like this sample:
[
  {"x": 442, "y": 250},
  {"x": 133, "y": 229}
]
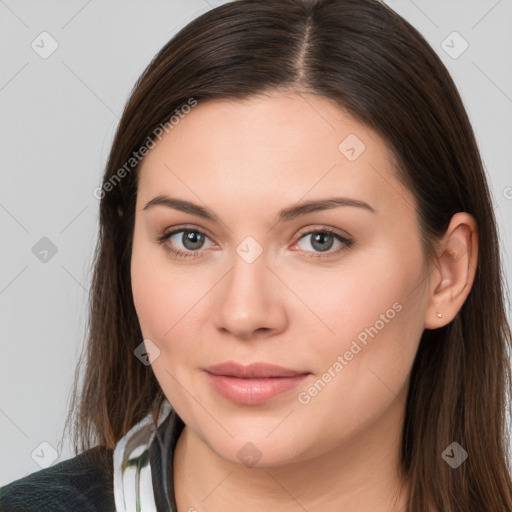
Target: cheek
[
  {"x": 166, "y": 296},
  {"x": 363, "y": 371},
  {"x": 363, "y": 290},
  {"x": 150, "y": 289},
  {"x": 376, "y": 314}
]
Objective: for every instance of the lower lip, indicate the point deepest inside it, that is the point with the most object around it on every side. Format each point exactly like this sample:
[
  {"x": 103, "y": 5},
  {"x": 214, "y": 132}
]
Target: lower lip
[{"x": 252, "y": 391}]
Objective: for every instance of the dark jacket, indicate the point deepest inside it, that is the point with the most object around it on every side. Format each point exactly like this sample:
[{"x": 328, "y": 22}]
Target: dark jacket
[{"x": 84, "y": 483}]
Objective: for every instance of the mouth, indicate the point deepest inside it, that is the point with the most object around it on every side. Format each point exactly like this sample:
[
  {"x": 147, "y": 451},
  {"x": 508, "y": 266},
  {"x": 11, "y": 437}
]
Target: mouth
[
  {"x": 253, "y": 384},
  {"x": 258, "y": 370}
]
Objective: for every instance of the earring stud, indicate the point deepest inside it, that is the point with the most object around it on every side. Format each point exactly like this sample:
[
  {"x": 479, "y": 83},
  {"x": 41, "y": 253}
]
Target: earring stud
[{"x": 439, "y": 315}]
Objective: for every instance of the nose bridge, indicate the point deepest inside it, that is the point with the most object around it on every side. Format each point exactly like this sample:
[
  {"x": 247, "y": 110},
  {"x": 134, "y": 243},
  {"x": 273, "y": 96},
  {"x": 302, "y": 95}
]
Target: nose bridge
[
  {"x": 249, "y": 299},
  {"x": 248, "y": 279}
]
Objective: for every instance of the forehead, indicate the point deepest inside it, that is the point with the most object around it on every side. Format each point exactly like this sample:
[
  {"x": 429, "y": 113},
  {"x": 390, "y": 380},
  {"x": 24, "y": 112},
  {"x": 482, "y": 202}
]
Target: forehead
[{"x": 278, "y": 147}]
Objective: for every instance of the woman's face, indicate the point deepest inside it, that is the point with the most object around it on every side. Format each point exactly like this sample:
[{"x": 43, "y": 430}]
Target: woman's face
[{"x": 338, "y": 294}]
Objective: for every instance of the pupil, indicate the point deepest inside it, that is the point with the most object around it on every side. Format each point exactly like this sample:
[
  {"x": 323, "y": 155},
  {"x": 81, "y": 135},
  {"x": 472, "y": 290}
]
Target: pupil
[
  {"x": 321, "y": 237},
  {"x": 192, "y": 239}
]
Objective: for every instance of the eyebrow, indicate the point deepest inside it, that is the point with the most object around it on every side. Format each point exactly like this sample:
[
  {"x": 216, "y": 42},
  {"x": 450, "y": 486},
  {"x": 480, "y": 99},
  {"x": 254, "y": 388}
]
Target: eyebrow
[{"x": 285, "y": 215}]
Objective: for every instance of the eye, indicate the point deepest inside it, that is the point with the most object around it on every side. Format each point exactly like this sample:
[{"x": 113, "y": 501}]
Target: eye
[
  {"x": 191, "y": 239},
  {"x": 322, "y": 240},
  {"x": 192, "y": 242}
]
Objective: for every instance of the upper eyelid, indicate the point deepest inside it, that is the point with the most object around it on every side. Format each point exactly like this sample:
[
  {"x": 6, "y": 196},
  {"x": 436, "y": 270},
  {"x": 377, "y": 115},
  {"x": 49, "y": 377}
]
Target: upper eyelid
[
  {"x": 178, "y": 229},
  {"x": 336, "y": 231}
]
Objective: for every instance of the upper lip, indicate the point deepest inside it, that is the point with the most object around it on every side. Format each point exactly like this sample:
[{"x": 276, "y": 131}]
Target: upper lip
[{"x": 252, "y": 371}]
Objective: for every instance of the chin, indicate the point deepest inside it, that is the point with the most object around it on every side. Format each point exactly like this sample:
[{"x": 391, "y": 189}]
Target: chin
[{"x": 255, "y": 450}]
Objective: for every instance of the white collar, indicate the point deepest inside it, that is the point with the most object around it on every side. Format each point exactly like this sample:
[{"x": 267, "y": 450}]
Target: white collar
[{"x": 133, "y": 484}]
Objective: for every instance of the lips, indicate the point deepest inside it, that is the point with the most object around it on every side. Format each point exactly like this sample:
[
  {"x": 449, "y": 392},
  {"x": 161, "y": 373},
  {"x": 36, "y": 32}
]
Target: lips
[
  {"x": 258, "y": 370},
  {"x": 253, "y": 384}
]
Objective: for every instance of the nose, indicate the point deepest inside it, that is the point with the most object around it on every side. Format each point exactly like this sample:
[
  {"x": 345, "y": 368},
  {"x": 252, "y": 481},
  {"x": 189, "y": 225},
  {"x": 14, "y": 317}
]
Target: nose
[{"x": 250, "y": 300}]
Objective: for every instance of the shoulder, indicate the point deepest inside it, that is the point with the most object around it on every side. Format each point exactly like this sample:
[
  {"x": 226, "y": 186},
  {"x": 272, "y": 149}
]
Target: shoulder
[{"x": 83, "y": 483}]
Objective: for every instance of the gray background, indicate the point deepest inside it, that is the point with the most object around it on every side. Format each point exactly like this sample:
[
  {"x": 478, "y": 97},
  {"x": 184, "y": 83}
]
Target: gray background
[{"x": 59, "y": 115}]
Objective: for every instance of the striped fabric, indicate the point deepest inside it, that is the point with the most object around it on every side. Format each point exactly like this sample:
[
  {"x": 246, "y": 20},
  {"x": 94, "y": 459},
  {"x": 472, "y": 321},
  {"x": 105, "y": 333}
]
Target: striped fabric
[{"x": 133, "y": 479}]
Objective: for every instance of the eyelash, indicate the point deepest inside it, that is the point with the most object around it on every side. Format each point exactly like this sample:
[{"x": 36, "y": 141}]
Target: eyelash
[{"x": 197, "y": 254}]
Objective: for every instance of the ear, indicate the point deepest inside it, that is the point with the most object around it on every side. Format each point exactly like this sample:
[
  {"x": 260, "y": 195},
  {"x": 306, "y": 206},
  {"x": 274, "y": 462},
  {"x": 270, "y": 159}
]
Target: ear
[{"x": 453, "y": 271}]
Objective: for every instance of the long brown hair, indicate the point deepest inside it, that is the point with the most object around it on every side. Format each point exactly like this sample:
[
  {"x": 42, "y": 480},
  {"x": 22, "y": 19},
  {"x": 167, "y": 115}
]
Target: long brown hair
[{"x": 376, "y": 66}]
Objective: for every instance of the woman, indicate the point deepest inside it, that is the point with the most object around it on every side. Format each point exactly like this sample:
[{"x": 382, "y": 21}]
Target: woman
[{"x": 234, "y": 362}]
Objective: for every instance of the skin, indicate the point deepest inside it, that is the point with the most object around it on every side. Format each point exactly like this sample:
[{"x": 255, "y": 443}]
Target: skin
[{"x": 245, "y": 161}]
